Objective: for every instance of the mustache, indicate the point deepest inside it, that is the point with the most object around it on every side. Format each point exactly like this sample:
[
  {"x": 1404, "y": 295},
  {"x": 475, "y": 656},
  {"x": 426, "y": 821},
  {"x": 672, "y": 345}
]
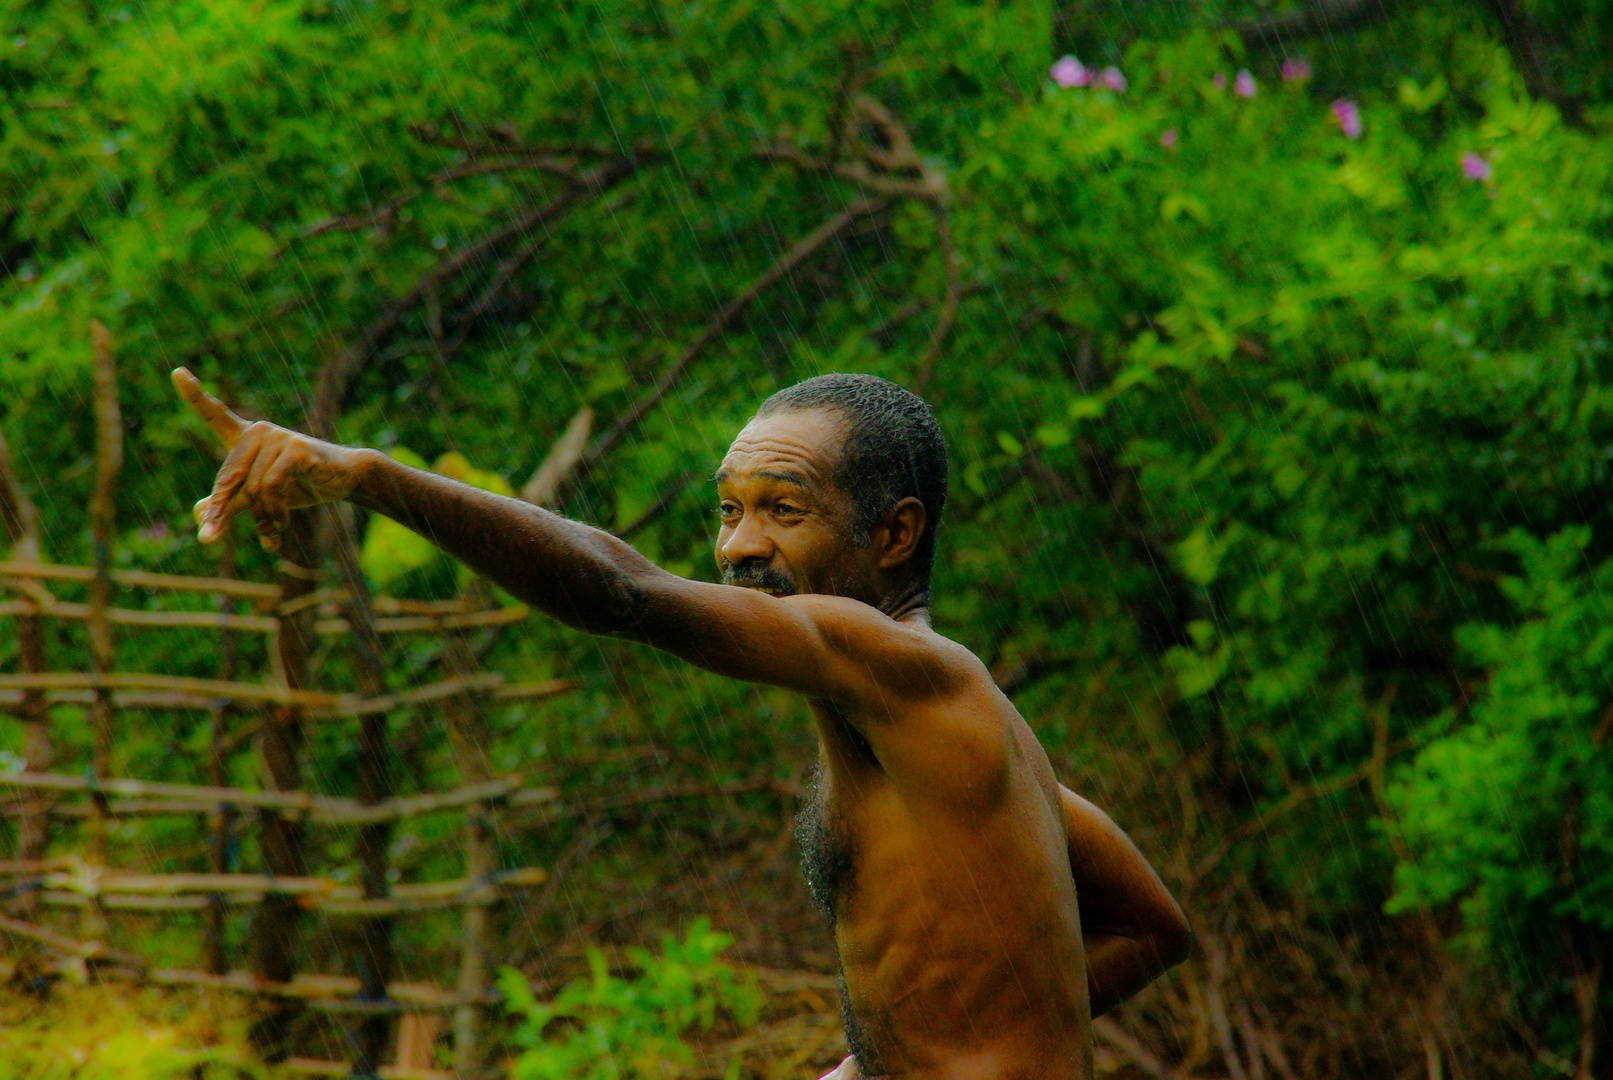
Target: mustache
[{"x": 755, "y": 573}]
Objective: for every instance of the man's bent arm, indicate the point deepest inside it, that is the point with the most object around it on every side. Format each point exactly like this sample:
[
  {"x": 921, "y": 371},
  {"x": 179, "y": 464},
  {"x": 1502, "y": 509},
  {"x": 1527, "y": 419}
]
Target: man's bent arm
[{"x": 1132, "y": 929}]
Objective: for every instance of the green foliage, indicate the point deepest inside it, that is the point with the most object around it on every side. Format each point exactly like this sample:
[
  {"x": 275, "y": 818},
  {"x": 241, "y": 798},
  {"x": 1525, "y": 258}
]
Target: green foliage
[
  {"x": 1238, "y": 406},
  {"x": 610, "y": 1028},
  {"x": 119, "y": 1033},
  {"x": 1513, "y": 813}
]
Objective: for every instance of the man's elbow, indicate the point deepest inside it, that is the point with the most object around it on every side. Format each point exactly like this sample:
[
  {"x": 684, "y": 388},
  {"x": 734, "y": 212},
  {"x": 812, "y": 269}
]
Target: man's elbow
[
  {"x": 1174, "y": 939},
  {"x": 612, "y": 604}
]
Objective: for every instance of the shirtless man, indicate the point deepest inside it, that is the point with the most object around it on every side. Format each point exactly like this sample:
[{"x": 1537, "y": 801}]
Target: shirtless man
[{"x": 944, "y": 850}]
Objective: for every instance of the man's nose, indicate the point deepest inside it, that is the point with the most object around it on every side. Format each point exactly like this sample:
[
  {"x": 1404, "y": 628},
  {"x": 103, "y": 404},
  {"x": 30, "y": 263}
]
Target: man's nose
[{"x": 747, "y": 541}]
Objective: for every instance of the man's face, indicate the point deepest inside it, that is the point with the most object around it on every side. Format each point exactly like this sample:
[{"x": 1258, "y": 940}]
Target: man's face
[{"x": 786, "y": 527}]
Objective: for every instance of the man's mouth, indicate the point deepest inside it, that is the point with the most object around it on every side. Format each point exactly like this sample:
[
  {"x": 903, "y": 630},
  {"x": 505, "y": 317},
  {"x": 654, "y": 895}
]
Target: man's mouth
[{"x": 763, "y": 579}]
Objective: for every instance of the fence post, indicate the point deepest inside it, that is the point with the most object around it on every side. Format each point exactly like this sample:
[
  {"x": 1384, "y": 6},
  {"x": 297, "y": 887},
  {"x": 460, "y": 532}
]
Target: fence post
[
  {"x": 279, "y": 744},
  {"x": 221, "y": 820},
  {"x": 103, "y": 517},
  {"x": 21, "y": 523},
  {"x": 375, "y": 961},
  {"x": 467, "y": 736}
]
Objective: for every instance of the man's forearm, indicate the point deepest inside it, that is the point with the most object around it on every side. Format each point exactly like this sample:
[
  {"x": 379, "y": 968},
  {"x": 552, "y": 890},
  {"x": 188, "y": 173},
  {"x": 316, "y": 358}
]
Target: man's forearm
[
  {"x": 1119, "y": 966},
  {"x": 580, "y": 575}
]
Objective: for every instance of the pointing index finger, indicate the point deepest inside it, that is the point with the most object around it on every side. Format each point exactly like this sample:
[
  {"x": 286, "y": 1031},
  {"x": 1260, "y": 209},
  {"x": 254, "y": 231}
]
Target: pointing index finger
[{"x": 225, "y": 424}]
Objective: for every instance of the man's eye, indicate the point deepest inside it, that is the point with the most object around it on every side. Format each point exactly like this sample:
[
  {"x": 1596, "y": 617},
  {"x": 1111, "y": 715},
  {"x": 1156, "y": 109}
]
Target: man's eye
[
  {"x": 787, "y": 510},
  {"x": 727, "y": 510}
]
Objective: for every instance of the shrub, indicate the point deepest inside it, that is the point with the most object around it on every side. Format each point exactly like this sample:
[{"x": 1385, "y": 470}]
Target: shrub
[{"x": 610, "y": 1028}]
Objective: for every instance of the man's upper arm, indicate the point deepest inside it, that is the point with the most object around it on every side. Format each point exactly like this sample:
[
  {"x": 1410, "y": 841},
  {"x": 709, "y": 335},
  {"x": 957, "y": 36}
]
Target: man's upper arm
[{"x": 823, "y": 647}]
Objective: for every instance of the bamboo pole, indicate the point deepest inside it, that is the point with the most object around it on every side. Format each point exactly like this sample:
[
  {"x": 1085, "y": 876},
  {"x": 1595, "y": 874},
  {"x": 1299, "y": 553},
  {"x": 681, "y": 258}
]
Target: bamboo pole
[
  {"x": 299, "y": 801},
  {"x": 405, "y": 996},
  {"x": 314, "y": 704},
  {"x": 375, "y": 960},
  {"x": 103, "y": 519},
  {"x": 279, "y": 745},
  {"x": 83, "y": 950},
  {"x": 206, "y": 620},
  {"x": 319, "y": 809},
  {"x": 21, "y": 523},
  {"x": 264, "y": 596},
  {"x": 264, "y": 624},
  {"x": 247, "y": 590},
  {"x": 221, "y": 821},
  {"x": 278, "y": 695},
  {"x": 179, "y": 892},
  {"x": 91, "y": 880},
  {"x": 467, "y": 737}
]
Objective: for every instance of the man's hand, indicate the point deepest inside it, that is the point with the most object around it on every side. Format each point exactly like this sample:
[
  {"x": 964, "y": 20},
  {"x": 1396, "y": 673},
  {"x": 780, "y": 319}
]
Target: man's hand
[{"x": 270, "y": 471}]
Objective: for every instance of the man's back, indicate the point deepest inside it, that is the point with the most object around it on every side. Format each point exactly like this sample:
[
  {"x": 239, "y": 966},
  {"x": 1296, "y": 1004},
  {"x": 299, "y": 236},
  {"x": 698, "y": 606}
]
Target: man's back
[{"x": 946, "y": 870}]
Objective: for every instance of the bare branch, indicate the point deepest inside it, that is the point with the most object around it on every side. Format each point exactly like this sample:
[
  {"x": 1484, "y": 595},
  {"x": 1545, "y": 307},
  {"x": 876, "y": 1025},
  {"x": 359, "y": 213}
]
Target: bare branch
[
  {"x": 17, "y": 513},
  {"x": 857, "y": 172},
  {"x": 356, "y": 222},
  {"x": 545, "y": 485},
  {"x": 1313, "y": 18},
  {"x": 509, "y": 141},
  {"x": 949, "y": 305},
  {"x": 663, "y": 502},
  {"x": 792, "y": 258},
  {"x": 339, "y": 370},
  {"x": 1292, "y": 801}
]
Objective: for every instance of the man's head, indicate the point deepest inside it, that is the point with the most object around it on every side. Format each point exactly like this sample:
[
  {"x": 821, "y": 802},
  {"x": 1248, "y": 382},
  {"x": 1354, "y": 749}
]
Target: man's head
[{"x": 835, "y": 486}]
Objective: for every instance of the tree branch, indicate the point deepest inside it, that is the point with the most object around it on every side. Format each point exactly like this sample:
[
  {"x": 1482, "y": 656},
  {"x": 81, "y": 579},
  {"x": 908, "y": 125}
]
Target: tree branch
[
  {"x": 792, "y": 258},
  {"x": 949, "y": 305},
  {"x": 544, "y": 487},
  {"x": 341, "y": 368},
  {"x": 1313, "y": 18}
]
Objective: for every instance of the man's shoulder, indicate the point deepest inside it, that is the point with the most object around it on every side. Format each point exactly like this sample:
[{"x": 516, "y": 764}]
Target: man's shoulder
[{"x": 897, "y": 651}]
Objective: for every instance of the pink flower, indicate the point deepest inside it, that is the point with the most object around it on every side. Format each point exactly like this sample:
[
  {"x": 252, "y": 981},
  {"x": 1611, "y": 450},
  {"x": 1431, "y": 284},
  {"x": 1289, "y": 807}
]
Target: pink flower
[
  {"x": 1348, "y": 114},
  {"x": 1244, "y": 84},
  {"x": 1068, "y": 72},
  {"x": 1220, "y": 80},
  {"x": 1296, "y": 70},
  {"x": 1167, "y": 139},
  {"x": 1111, "y": 78},
  {"x": 1475, "y": 168}
]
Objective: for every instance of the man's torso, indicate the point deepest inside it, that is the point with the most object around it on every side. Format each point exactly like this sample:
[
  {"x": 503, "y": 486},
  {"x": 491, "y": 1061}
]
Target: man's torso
[{"x": 945, "y": 871}]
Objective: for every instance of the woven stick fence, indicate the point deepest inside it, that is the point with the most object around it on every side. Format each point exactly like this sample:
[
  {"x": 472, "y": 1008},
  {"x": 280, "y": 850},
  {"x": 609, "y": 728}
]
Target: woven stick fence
[{"x": 268, "y": 715}]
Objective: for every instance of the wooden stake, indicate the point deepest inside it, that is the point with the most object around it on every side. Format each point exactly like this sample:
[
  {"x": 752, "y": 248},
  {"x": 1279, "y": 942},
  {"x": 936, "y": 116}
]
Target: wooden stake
[
  {"x": 33, "y": 568},
  {"x": 21, "y": 524},
  {"x": 84, "y": 950},
  {"x": 375, "y": 960},
  {"x": 150, "y": 798},
  {"x": 221, "y": 821},
  {"x": 467, "y": 736},
  {"x": 279, "y": 744},
  {"x": 103, "y": 516}
]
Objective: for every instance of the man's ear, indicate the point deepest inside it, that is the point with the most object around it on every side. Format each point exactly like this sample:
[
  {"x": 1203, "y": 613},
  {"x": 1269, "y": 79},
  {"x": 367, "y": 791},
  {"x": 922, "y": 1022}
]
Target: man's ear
[{"x": 899, "y": 533}]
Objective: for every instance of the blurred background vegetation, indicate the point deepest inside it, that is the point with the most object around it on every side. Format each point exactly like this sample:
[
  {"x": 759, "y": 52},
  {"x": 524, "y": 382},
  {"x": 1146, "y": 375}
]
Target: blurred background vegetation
[{"x": 1271, "y": 342}]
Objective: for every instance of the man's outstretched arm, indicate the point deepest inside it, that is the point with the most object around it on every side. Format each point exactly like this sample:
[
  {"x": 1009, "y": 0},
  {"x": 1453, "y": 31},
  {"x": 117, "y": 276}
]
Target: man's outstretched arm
[
  {"x": 1132, "y": 928},
  {"x": 580, "y": 575}
]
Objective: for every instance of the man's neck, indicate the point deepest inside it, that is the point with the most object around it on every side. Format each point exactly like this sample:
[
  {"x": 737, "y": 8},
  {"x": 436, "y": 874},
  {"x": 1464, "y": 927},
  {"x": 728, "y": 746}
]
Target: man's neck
[{"x": 909, "y": 603}]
